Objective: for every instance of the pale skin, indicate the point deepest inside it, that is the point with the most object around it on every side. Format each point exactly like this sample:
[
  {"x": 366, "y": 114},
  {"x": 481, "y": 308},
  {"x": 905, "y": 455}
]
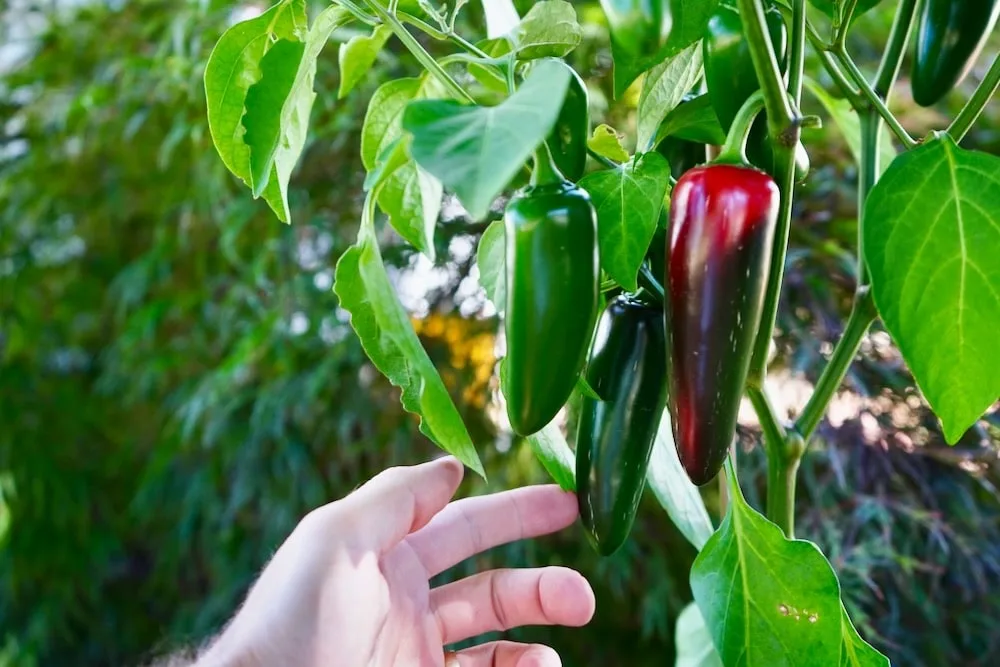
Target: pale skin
[{"x": 349, "y": 587}]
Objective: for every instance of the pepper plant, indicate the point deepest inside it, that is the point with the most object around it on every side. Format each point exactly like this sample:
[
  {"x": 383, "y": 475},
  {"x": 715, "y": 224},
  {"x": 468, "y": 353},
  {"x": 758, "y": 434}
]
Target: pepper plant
[{"x": 676, "y": 229}]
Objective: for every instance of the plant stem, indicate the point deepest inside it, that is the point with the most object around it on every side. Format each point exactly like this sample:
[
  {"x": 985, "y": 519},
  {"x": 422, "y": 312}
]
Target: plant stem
[
  {"x": 902, "y": 27},
  {"x": 861, "y": 317},
  {"x": 774, "y": 432},
  {"x": 734, "y": 149},
  {"x": 868, "y": 173},
  {"x": 418, "y": 51},
  {"x": 781, "y": 118},
  {"x": 874, "y": 100},
  {"x": 649, "y": 281},
  {"x": 797, "y": 58},
  {"x": 607, "y": 162},
  {"x": 970, "y": 112},
  {"x": 782, "y": 472}
]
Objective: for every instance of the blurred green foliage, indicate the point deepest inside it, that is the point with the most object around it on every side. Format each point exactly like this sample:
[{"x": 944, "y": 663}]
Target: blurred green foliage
[{"x": 178, "y": 385}]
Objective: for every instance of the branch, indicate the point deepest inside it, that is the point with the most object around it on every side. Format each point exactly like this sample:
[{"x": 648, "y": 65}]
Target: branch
[{"x": 970, "y": 112}]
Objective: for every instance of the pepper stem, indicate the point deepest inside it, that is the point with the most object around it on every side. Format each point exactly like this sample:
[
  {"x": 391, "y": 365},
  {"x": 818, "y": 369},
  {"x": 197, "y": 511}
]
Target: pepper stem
[
  {"x": 734, "y": 150},
  {"x": 545, "y": 171}
]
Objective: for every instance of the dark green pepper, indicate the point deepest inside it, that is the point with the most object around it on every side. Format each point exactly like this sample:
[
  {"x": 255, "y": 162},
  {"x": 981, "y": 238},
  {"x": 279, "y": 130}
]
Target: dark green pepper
[
  {"x": 681, "y": 154},
  {"x": 638, "y": 27},
  {"x": 552, "y": 290},
  {"x": 950, "y": 36},
  {"x": 731, "y": 79},
  {"x": 568, "y": 139},
  {"x": 615, "y": 435}
]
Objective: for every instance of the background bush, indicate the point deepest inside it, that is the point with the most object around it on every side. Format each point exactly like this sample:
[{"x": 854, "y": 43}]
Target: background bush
[{"x": 178, "y": 385}]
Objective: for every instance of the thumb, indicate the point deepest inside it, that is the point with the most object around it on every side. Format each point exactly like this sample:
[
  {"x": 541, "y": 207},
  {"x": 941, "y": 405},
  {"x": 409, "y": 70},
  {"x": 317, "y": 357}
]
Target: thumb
[{"x": 401, "y": 500}]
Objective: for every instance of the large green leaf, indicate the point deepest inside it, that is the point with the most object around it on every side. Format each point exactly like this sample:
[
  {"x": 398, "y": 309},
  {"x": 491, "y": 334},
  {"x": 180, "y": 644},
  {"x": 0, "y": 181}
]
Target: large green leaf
[
  {"x": 364, "y": 290},
  {"x": 476, "y": 151},
  {"x": 690, "y": 18},
  {"x": 931, "y": 240},
  {"x": 847, "y": 120},
  {"x": 768, "y": 601},
  {"x": 549, "y": 29},
  {"x": 357, "y": 56},
  {"x": 628, "y": 200},
  {"x": 663, "y": 89},
  {"x": 672, "y": 487},
  {"x": 692, "y": 120},
  {"x": 411, "y": 197},
  {"x": 694, "y": 643},
  {"x": 490, "y": 258}
]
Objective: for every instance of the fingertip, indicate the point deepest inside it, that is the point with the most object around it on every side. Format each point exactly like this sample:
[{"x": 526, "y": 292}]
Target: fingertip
[
  {"x": 452, "y": 469},
  {"x": 567, "y": 596},
  {"x": 540, "y": 655}
]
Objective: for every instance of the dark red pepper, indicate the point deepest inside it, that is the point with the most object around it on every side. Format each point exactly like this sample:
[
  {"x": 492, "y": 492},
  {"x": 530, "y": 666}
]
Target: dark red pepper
[{"x": 722, "y": 220}]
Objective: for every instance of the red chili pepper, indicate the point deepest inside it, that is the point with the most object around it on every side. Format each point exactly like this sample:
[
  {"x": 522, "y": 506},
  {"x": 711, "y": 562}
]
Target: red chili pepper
[{"x": 722, "y": 220}]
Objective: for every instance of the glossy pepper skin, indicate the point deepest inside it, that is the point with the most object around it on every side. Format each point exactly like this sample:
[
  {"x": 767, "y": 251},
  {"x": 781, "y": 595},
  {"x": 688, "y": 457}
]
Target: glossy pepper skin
[
  {"x": 615, "y": 435},
  {"x": 950, "y": 36},
  {"x": 722, "y": 220},
  {"x": 638, "y": 27},
  {"x": 552, "y": 292},
  {"x": 731, "y": 79},
  {"x": 568, "y": 139}
]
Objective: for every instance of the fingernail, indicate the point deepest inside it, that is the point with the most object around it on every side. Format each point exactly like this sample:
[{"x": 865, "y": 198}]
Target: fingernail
[{"x": 451, "y": 659}]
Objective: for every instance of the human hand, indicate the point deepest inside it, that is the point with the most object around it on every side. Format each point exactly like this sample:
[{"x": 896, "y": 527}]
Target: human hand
[{"x": 349, "y": 587}]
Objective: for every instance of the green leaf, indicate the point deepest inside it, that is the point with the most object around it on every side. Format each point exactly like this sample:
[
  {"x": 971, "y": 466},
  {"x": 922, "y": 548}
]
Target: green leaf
[
  {"x": 931, "y": 234},
  {"x": 605, "y": 141},
  {"x": 663, "y": 89},
  {"x": 767, "y": 600},
  {"x": 690, "y": 20},
  {"x": 692, "y": 120},
  {"x": 555, "y": 455},
  {"x": 357, "y": 56},
  {"x": 628, "y": 201},
  {"x": 501, "y": 17},
  {"x": 388, "y": 338},
  {"x": 673, "y": 489},
  {"x": 392, "y": 157},
  {"x": 488, "y": 76},
  {"x": 856, "y": 652},
  {"x": 233, "y": 67},
  {"x": 411, "y": 197},
  {"x": 694, "y": 643},
  {"x": 492, "y": 265},
  {"x": 846, "y": 118},
  {"x": 264, "y": 103},
  {"x": 549, "y": 29},
  {"x": 476, "y": 151}
]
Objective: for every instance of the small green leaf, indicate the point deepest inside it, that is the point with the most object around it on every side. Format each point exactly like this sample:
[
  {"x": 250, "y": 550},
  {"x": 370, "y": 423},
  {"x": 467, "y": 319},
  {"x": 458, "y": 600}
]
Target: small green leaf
[
  {"x": 410, "y": 197},
  {"x": 767, "y": 600},
  {"x": 357, "y": 56},
  {"x": 492, "y": 267},
  {"x": 690, "y": 20},
  {"x": 549, "y": 29},
  {"x": 388, "y": 338},
  {"x": 555, "y": 455},
  {"x": 663, "y": 89},
  {"x": 694, "y": 644},
  {"x": 489, "y": 77},
  {"x": 476, "y": 151},
  {"x": 628, "y": 201},
  {"x": 846, "y": 118},
  {"x": 265, "y": 100},
  {"x": 389, "y": 160},
  {"x": 234, "y": 66},
  {"x": 835, "y": 8},
  {"x": 606, "y": 142},
  {"x": 673, "y": 489},
  {"x": 931, "y": 230},
  {"x": 692, "y": 120}
]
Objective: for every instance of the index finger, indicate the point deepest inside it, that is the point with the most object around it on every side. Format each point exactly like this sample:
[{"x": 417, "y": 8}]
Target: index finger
[{"x": 472, "y": 525}]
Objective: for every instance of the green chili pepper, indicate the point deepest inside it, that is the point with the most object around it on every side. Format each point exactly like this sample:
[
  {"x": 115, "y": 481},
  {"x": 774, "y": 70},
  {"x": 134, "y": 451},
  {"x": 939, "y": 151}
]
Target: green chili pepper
[
  {"x": 638, "y": 27},
  {"x": 568, "y": 139},
  {"x": 615, "y": 435},
  {"x": 552, "y": 290},
  {"x": 950, "y": 36}
]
